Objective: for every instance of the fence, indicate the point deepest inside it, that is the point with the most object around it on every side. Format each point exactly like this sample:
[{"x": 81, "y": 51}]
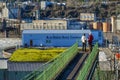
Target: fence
[
  {"x": 53, "y": 67},
  {"x": 87, "y": 65}
]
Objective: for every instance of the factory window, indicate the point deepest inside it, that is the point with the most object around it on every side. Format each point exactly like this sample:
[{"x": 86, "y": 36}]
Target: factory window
[
  {"x": 60, "y": 23},
  {"x": 63, "y": 27},
  {"x": 33, "y": 27},
  {"x": 51, "y": 27},
  {"x": 36, "y": 26},
  {"x": 59, "y": 27},
  {"x": 43, "y": 27},
  {"x": 44, "y": 23},
  {"x": 47, "y": 27}
]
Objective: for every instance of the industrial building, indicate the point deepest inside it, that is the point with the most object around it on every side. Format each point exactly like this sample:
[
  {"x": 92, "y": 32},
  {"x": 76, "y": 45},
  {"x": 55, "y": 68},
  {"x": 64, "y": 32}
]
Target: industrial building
[
  {"x": 59, "y": 24},
  {"x": 51, "y": 33},
  {"x": 103, "y": 26},
  {"x": 57, "y": 38},
  {"x": 50, "y": 24},
  {"x": 88, "y": 16},
  {"x": 45, "y": 24}
]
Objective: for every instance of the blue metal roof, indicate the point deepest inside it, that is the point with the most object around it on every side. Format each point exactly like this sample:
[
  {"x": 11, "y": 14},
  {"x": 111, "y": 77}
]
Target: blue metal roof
[{"x": 54, "y": 31}]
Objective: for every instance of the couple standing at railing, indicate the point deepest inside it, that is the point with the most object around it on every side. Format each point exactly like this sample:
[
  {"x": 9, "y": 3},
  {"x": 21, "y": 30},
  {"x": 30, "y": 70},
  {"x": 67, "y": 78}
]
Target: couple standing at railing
[{"x": 84, "y": 41}]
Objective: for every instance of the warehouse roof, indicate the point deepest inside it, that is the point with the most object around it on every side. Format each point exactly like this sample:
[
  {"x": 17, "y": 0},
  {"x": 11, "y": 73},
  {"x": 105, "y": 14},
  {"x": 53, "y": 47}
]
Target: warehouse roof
[{"x": 54, "y": 31}]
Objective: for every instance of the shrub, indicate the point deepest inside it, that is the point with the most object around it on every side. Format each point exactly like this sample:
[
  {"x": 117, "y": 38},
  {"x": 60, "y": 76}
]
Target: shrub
[{"x": 34, "y": 54}]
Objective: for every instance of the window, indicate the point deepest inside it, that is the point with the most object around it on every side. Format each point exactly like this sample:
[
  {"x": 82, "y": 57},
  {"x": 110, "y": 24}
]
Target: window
[
  {"x": 33, "y": 27},
  {"x": 60, "y": 23}
]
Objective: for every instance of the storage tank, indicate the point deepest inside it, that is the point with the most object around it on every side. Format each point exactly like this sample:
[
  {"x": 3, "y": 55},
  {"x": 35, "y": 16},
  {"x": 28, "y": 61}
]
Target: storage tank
[
  {"x": 97, "y": 25},
  {"x": 106, "y": 27},
  {"x": 90, "y": 26},
  {"x": 117, "y": 25},
  {"x": 43, "y": 5},
  {"x": 5, "y": 12},
  {"x": 113, "y": 24}
]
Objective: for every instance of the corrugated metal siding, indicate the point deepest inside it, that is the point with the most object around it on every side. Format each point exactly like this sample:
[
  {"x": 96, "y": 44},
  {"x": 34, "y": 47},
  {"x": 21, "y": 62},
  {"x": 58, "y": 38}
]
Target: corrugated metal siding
[
  {"x": 3, "y": 74},
  {"x": 23, "y": 66},
  {"x": 17, "y": 75}
]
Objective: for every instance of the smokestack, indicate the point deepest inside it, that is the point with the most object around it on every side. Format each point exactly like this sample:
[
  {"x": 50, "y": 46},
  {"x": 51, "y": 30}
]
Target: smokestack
[{"x": 113, "y": 23}]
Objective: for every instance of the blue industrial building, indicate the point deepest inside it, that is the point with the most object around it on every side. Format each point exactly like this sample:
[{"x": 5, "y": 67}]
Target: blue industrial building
[
  {"x": 13, "y": 13},
  {"x": 57, "y": 38}
]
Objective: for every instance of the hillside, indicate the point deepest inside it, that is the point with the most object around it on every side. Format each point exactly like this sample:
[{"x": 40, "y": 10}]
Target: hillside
[{"x": 102, "y": 10}]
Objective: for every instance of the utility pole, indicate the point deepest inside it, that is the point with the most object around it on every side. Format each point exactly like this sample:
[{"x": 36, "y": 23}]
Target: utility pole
[{"x": 19, "y": 19}]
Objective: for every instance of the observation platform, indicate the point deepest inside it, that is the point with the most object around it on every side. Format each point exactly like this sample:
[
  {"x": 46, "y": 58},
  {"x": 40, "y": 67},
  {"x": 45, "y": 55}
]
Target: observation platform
[{"x": 70, "y": 65}]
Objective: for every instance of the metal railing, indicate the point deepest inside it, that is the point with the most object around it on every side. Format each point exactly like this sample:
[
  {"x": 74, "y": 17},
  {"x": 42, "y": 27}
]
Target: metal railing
[
  {"x": 49, "y": 70},
  {"x": 88, "y": 64}
]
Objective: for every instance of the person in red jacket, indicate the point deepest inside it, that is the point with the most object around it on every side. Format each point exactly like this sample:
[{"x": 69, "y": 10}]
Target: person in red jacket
[{"x": 90, "y": 40}]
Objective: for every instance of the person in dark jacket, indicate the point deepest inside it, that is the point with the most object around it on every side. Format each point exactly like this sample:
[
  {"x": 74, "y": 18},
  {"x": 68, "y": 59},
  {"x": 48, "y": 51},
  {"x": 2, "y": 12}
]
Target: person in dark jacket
[
  {"x": 90, "y": 40},
  {"x": 4, "y": 25}
]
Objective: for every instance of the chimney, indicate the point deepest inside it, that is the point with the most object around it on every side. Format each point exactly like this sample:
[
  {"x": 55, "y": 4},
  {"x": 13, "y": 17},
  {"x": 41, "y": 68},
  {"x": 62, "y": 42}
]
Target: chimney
[{"x": 113, "y": 24}]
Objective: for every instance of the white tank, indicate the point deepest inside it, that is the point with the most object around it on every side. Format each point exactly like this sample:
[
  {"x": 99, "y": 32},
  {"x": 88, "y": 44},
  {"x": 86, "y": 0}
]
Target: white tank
[
  {"x": 5, "y": 12},
  {"x": 118, "y": 24},
  {"x": 113, "y": 24}
]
